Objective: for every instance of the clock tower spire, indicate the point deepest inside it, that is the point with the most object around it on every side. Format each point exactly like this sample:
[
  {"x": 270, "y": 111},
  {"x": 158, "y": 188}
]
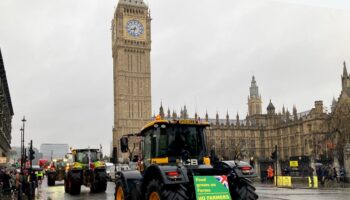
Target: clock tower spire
[{"x": 131, "y": 48}]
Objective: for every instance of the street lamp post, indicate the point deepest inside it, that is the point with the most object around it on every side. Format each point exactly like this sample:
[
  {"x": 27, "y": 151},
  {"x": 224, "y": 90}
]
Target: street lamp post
[
  {"x": 22, "y": 149},
  {"x": 23, "y": 154}
]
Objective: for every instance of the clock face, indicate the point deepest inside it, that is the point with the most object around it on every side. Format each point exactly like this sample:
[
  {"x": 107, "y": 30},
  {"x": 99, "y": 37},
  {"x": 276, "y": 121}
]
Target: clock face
[{"x": 134, "y": 28}]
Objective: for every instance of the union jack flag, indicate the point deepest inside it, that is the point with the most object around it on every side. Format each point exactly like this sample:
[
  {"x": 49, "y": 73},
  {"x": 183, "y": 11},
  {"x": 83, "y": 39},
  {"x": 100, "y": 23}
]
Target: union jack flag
[{"x": 222, "y": 180}]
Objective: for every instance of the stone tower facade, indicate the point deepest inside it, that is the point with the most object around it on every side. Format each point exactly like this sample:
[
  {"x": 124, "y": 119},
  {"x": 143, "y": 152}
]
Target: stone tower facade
[
  {"x": 131, "y": 48},
  {"x": 254, "y": 99}
]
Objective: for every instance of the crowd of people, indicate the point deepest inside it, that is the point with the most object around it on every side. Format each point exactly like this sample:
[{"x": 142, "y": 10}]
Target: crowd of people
[
  {"x": 13, "y": 182},
  {"x": 326, "y": 173},
  {"x": 8, "y": 182}
]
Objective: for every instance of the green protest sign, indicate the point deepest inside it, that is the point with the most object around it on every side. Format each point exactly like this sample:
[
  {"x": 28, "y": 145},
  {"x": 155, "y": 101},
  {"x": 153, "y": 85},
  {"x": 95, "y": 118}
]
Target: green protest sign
[{"x": 212, "y": 188}]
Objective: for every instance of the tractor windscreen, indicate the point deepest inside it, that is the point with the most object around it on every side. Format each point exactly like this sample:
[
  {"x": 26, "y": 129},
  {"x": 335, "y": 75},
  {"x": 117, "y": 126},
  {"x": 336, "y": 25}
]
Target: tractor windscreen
[
  {"x": 173, "y": 140},
  {"x": 83, "y": 156}
]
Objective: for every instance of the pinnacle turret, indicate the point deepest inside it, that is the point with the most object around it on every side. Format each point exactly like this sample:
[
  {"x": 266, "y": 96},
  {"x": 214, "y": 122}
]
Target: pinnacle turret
[
  {"x": 161, "y": 110},
  {"x": 334, "y": 103},
  {"x": 237, "y": 120},
  {"x": 185, "y": 114},
  {"x": 227, "y": 119},
  {"x": 217, "y": 118},
  {"x": 168, "y": 115},
  {"x": 345, "y": 71},
  {"x": 295, "y": 113},
  {"x": 345, "y": 78}
]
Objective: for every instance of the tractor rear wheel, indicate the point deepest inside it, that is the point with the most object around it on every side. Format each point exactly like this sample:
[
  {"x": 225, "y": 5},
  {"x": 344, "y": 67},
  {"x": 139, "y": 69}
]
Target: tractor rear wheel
[
  {"x": 157, "y": 191},
  {"x": 243, "y": 190}
]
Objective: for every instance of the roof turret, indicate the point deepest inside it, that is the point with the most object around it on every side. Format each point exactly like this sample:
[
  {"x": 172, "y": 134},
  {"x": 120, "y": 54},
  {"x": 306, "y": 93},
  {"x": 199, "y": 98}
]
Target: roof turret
[{"x": 270, "y": 106}]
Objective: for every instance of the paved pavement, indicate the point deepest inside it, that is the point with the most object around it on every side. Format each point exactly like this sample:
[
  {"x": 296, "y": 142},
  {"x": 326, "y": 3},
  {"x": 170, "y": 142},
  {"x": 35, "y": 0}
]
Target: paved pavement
[{"x": 271, "y": 192}]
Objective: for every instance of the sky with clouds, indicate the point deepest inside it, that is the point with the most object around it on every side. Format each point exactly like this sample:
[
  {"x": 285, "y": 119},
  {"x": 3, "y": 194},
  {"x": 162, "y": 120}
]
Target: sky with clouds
[{"x": 58, "y": 60}]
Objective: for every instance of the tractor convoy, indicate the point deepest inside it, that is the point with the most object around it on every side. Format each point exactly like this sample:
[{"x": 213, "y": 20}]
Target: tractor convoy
[{"x": 174, "y": 164}]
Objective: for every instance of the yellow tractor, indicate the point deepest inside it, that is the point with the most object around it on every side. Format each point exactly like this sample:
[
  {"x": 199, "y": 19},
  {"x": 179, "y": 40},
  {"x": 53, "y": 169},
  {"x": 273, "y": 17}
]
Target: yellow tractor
[{"x": 174, "y": 164}]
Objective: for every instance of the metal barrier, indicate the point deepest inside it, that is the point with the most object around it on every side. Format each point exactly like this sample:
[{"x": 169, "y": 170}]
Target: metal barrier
[{"x": 296, "y": 182}]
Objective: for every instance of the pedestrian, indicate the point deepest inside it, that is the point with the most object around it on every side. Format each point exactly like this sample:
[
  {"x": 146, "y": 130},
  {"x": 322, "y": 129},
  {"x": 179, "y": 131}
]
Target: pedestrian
[
  {"x": 319, "y": 173},
  {"x": 39, "y": 175},
  {"x": 270, "y": 173},
  {"x": 13, "y": 180},
  {"x": 322, "y": 173},
  {"x": 311, "y": 175},
  {"x": 6, "y": 183},
  {"x": 335, "y": 174},
  {"x": 342, "y": 174},
  {"x": 330, "y": 173}
]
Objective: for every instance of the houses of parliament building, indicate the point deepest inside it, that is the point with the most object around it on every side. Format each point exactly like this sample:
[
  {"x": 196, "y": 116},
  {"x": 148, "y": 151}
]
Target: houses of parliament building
[{"x": 315, "y": 132}]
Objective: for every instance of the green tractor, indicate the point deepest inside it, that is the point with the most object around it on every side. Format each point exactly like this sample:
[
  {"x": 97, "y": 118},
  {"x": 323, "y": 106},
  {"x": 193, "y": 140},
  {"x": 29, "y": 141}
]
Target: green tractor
[
  {"x": 174, "y": 164},
  {"x": 86, "y": 169}
]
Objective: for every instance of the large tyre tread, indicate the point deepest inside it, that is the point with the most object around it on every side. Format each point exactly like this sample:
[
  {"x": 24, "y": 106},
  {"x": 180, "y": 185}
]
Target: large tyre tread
[
  {"x": 119, "y": 183},
  {"x": 243, "y": 190},
  {"x": 175, "y": 192}
]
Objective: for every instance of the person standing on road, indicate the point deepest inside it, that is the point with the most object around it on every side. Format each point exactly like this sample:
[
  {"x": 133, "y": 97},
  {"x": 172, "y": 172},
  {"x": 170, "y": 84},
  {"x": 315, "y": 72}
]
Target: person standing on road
[
  {"x": 39, "y": 175},
  {"x": 270, "y": 174},
  {"x": 335, "y": 174},
  {"x": 311, "y": 175}
]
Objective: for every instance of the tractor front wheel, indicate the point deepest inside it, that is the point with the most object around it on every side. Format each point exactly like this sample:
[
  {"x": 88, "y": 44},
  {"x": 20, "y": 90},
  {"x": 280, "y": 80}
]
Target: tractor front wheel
[
  {"x": 120, "y": 191},
  {"x": 74, "y": 186},
  {"x": 158, "y": 191},
  {"x": 66, "y": 186},
  {"x": 243, "y": 190}
]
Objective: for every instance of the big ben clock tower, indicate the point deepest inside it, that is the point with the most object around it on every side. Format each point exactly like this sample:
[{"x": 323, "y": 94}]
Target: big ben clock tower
[{"x": 131, "y": 47}]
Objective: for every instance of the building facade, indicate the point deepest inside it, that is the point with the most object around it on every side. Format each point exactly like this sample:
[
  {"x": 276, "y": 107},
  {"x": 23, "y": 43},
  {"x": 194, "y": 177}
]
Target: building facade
[
  {"x": 315, "y": 133},
  {"x": 131, "y": 48},
  {"x": 54, "y": 151},
  {"x": 6, "y": 112}
]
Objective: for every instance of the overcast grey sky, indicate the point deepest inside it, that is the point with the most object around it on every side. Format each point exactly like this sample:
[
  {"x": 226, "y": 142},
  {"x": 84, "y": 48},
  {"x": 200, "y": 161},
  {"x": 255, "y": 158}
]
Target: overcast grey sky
[{"x": 58, "y": 60}]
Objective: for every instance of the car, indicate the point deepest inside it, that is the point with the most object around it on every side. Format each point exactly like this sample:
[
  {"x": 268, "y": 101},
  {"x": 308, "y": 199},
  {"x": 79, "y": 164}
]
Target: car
[{"x": 117, "y": 168}]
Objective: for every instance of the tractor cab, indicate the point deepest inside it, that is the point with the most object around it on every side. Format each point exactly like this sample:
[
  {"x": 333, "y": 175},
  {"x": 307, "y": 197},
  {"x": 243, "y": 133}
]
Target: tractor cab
[
  {"x": 86, "y": 156},
  {"x": 172, "y": 142}
]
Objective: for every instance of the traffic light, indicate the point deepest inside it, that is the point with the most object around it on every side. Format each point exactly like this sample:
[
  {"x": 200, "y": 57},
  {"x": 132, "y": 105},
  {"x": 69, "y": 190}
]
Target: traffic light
[
  {"x": 31, "y": 154},
  {"x": 274, "y": 155},
  {"x": 115, "y": 155},
  {"x": 31, "y": 151}
]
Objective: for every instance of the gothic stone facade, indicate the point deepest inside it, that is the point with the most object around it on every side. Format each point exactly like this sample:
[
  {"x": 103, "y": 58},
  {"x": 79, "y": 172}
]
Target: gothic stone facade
[
  {"x": 308, "y": 133},
  {"x": 131, "y": 48},
  {"x": 6, "y": 112}
]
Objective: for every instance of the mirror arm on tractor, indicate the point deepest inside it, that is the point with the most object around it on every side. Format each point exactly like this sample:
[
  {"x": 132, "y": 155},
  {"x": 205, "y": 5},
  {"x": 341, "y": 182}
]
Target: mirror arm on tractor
[{"x": 124, "y": 144}]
